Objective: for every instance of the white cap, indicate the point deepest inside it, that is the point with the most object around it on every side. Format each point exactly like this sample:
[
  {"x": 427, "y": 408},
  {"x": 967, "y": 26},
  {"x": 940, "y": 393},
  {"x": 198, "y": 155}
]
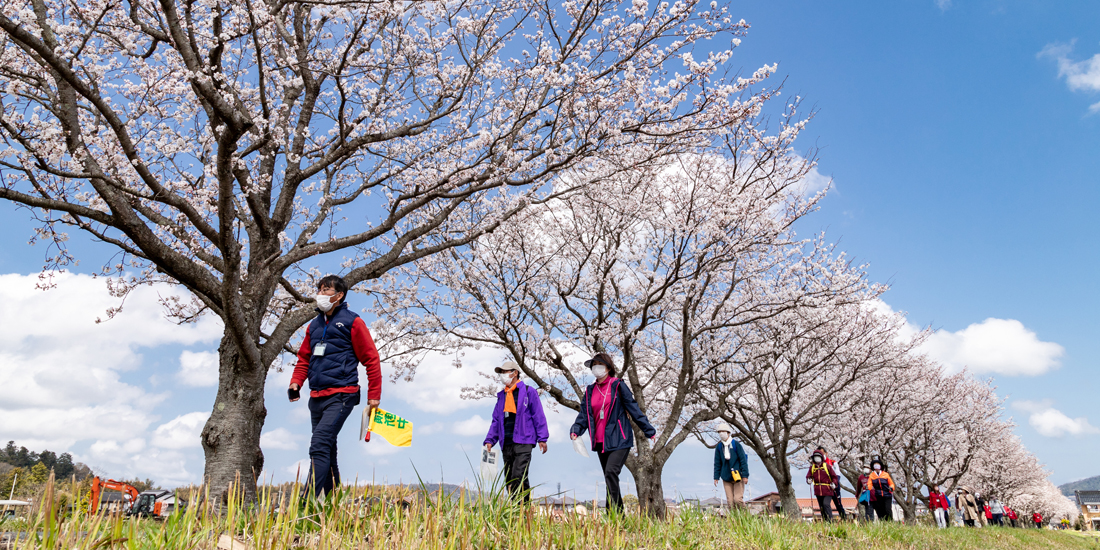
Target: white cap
[
  {"x": 507, "y": 366},
  {"x": 723, "y": 427}
]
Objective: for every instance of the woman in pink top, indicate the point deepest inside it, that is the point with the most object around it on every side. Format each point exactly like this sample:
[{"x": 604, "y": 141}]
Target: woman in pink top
[{"x": 604, "y": 410}]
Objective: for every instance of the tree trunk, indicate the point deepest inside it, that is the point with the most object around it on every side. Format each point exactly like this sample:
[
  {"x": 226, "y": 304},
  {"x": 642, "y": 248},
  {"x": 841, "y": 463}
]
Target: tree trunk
[
  {"x": 789, "y": 501},
  {"x": 780, "y": 470},
  {"x": 231, "y": 437},
  {"x": 647, "y": 476},
  {"x": 908, "y": 511}
]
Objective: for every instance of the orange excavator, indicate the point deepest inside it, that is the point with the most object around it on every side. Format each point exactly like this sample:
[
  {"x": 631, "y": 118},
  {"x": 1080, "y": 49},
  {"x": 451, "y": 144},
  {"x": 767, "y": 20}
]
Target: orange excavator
[
  {"x": 157, "y": 503},
  {"x": 130, "y": 493}
]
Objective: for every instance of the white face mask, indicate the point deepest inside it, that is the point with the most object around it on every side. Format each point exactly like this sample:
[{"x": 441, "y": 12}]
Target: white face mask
[
  {"x": 817, "y": 459},
  {"x": 724, "y": 435},
  {"x": 324, "y": 302},
  {"x": 866, "y": 470},
  {"x": 878, "y": 467},
  {"x": 506, "y": 377},
  {"x": 599, "y": 371}
]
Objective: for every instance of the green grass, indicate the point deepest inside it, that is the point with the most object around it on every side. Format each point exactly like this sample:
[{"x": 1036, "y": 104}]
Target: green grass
[{"x": 370, "y": 517}]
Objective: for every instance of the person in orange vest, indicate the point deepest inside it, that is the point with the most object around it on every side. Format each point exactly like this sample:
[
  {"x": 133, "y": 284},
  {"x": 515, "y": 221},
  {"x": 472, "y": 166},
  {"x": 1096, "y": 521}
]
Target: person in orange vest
[
  {"x": 823, "y": 478},
  {"x": 881, "y": 486}
]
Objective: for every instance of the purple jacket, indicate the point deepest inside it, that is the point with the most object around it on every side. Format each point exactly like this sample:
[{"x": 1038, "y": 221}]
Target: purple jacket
[{"x": 530, "y": 420}]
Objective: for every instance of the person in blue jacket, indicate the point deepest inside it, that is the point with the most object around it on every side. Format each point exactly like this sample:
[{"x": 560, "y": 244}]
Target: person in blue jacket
[
  {"x": 731, "y": 466},
  {"x": 604, "y": 411}
]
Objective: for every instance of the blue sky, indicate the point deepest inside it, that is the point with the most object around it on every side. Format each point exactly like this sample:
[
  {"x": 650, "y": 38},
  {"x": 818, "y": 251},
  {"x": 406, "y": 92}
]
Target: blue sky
[{"x": 964, "y": 147}]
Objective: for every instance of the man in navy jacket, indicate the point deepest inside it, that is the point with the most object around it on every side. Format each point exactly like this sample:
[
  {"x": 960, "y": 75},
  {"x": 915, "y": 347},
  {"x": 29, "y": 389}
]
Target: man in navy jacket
[
  {"x": 336, "y": 342},
  {"x": 518, "y": 423}
]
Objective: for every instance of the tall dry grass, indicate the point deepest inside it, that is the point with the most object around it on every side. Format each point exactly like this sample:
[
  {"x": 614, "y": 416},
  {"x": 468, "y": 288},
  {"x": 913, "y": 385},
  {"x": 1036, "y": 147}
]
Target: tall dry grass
[{"x": 403, "y": 518}]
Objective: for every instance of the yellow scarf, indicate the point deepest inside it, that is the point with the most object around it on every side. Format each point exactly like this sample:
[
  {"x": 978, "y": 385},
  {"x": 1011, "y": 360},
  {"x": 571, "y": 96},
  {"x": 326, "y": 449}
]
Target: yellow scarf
[{"x": 509, "y": 400}]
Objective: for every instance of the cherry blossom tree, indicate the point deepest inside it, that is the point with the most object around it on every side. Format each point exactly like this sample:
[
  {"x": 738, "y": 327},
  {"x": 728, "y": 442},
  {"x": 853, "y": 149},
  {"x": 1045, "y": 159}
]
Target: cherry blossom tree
[
  {"x": 929, "y": 428},
  {"x": 807, "y": 370},
  {"x": 664, "y": 267},
  {"x": 231, "y": 146},
  {"x": 1006, "y": 470},
  {"x": 945, "y": 430}
]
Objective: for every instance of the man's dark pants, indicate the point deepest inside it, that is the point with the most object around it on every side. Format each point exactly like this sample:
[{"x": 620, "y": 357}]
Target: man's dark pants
[
  {"x": 327, "y": 415},
  {"x": 612, "y": 464},
  {"x": 517, "y": 460}
]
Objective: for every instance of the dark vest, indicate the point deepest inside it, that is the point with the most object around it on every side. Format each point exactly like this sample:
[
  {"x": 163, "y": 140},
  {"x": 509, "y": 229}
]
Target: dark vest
[{"x": 338, "y": 367}]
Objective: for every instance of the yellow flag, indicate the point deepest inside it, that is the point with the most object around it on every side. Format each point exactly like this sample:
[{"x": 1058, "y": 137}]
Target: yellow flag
[{"x": 396, "y": 430}]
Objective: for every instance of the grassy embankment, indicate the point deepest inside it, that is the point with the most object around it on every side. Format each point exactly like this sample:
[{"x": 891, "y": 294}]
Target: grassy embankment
[{"x": 372, "y": 517}]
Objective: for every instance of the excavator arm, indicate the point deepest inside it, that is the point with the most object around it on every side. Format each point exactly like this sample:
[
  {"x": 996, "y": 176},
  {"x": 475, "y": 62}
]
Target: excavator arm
[{"x": 97, "y": 488}]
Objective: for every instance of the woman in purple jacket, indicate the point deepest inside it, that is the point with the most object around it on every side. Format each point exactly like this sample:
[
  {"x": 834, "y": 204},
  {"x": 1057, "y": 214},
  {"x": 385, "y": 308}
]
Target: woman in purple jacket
[{"x": 518, "y": 423}]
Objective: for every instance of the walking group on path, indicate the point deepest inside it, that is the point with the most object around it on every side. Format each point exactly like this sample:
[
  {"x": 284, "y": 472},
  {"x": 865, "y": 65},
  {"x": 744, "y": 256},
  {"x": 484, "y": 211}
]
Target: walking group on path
[{"x": 338, "y": 340}]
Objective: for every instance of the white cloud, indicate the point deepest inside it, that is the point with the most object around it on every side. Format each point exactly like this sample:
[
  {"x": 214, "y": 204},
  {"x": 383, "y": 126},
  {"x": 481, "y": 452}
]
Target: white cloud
[
  {"x": 198, "y": 369},
  {"x": 994, "y": 346},
  {"x": 299, "y": 470},
  {"x": 433, "y": 428},
  {"x": 62, "y": 369},
  {"x": 437, "y": 387},
  {"x": 814, "y": 183},
  {"x": 181, "y": 432},
  {"x": 473, "y": 426},
  {"x": 1052, "y": 422},
  {"x": 944, "y": 4},
  {"x": 279, "y": 438},
  {"x": 1081, "y": 76}
]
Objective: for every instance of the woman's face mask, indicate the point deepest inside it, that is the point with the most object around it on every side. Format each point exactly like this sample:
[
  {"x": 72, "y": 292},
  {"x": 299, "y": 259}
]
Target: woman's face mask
[
  {"x": 817, "y": 460},
  {"x": 878, "y": 467},
  {"x": 506, "y": 377},
  {"x": 866, "y": 470},
  {"x": 599, "y": 371},
  {"x": 724, "y": 435}
]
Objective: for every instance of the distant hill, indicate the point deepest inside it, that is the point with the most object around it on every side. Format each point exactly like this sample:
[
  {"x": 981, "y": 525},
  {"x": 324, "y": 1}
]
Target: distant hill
[{"x": 1087, "y": 484}]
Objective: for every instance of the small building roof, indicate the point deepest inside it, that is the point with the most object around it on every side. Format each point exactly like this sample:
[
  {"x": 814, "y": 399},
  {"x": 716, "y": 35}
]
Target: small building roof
[
  {"x": 765, "y": 497},
  {"x": 1087, "y": 497}
]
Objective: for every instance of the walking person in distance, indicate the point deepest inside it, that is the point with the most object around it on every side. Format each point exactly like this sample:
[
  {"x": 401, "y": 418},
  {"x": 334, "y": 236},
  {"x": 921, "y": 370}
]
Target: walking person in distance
[
  {"x": 938, "y": 504},
  {"x": 823, "y": 478},
  {"x": 881, "y": 486},
  {"x": 518, "y": 424},
  {"x": 839, "y": 506},
  {"x": 731, "y": 467},
  {"x": 604, "y": 410}
]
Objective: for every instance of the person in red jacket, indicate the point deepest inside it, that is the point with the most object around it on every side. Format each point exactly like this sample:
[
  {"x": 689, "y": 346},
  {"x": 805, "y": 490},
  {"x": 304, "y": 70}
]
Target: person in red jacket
[
  {"x": 336, "y": 342},
  {"x": 823, "y": 478},
  {"x": 1038, "y": 519},
  {"x": 836, "y": 489},
  {"x": 937, "y": 502},
  {"x": 1011, "y": 515}
]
